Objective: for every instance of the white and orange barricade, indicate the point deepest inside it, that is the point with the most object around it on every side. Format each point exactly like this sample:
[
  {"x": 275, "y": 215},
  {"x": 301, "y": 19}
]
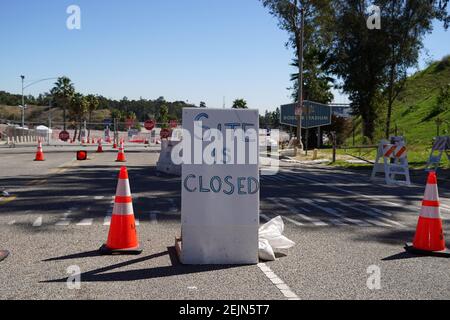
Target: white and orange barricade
[
  {"x": 122, "y": 236},
  {"x": 392, "y": 161},
  {"x": 441, "y": 145}
]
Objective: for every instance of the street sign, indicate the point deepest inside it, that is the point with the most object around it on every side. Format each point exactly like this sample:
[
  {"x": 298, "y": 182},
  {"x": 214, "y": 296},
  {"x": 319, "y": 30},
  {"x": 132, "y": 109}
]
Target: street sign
[
  {"x": 173, "y": 123},
  {"x": 64, "y": 136},
  {"x": 220, "y": 202},
  {"x": 149, "y": 125},
  {"x": 165, "y": 133},
  {"x": 314, "y": 115}
]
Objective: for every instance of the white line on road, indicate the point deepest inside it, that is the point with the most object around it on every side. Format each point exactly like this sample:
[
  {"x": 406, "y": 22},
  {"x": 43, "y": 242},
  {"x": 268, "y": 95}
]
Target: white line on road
[
  {"x": 37, "y": 222},
  {"x": 107, "y": 221},
  {"x": 99, "y": 197},
  {"x": 314, "y": 221},
  {"x": 283, "y": 287},
  {"x": 85, "y": 222},
  {"x": 63, "y": 222}
]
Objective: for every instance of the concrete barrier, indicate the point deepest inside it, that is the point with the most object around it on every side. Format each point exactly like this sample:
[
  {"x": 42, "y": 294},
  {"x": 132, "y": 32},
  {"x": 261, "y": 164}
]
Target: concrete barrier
[{"x": 165, "y": 163}]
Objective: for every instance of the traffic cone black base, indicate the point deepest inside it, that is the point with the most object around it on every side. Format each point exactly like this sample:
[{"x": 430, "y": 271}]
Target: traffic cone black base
[
  {"x": 104, "y": 250},
  {"x": 410, "y": 249}
]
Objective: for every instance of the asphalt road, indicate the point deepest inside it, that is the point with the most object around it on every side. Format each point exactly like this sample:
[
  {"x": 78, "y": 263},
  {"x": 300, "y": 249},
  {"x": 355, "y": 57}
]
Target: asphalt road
[{"x": 342, "y": 225}]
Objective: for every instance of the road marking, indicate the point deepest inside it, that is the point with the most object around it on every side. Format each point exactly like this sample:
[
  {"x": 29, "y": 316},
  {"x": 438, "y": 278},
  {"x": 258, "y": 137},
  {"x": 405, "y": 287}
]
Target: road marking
[
  {"x": 293, "y": 221},
  {"x": 153, "y": 218},
  {"x": 338, "y": 222},
  {"x": 37, "y": 182},
  {"x": 107, "y": 221},
  {"x": 378, "y": 223},
  {"x": 314, "y": 221},
  {"x": 348, "y": 191},
  {"x": 85, "y": 222},
  {"x": 174, "y": 207},
  {"x": 11, "y": 222},
  {"x": 99, "y": 197},
  {"x": 136, "y": 222},
  {"x": 370, "y": 213},
  {"x": 7, "y": 199},
  {"x": 357, "y": 222},
  {"x": 283, "y": 287},
  {"x": 63, "y": 222},
  {"x": 37, "y": 222}
]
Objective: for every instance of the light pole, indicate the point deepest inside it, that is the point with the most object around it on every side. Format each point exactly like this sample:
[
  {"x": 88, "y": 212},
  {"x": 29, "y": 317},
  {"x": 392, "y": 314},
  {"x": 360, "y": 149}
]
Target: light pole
[
  {"x": 300, "y": 79},
  {"x": 23, "y": 97},
  {"x": 23, "y": 103}
]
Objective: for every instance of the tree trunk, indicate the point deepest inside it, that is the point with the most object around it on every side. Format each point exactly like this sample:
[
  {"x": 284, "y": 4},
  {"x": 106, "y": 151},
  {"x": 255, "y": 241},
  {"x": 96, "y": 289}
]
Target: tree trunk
[
  {"x": 89, "y": 130},
  {"x": 79, "y": 133}
]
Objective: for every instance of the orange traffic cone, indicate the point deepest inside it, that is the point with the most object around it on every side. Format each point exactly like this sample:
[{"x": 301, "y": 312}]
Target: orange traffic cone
[
  {"x": 122, "y": 236},
  {"x": 429, "y": 238},
  {"x": 99, "y": 148},
  {"x": 39, "y": 153},
  {"x": 121, "y": 154}
]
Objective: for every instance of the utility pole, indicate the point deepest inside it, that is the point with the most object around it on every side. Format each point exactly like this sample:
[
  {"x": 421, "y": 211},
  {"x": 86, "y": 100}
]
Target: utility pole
[
  {"x": 49, "y": 121},
  {"x": 300, "y": 78},
  {"x": 23, "y": 103}
]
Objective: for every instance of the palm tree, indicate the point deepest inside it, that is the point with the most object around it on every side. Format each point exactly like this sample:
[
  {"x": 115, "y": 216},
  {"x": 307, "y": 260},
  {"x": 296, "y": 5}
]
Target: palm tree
[
  {"x": 131, "y": 117},
  {"x": 62, "y": 93},
  {"x": 239, "y": 104},
  {"x": 93, "y": 103},
  {"x": 79, "y": 108}
]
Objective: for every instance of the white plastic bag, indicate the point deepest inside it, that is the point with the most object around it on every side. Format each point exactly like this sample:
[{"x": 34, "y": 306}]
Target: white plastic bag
[{"x": 271, "y": 239}]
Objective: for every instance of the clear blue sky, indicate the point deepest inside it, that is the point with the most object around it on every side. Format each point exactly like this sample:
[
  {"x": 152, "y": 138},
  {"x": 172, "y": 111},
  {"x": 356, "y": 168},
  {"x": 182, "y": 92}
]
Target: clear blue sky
[{"x": 195, "y": 50}]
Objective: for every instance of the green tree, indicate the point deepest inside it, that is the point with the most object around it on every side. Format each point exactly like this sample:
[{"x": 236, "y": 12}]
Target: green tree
[
  {"x": 92, "y": 105},
  {"x": 163, "y": 116},
  {"x": 239, "y": 104},
  {"x": 372, "y": 63},
  {"x": 79, "y": 108},
  {"x": 202, "y": 104},
  {"x": 405, "y": 23},
  {"x": 63, "y": 92}
]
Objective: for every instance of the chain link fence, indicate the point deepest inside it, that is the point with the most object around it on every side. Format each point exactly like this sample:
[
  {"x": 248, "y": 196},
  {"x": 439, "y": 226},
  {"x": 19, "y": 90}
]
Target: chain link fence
[{"x": 12, "y": 133}]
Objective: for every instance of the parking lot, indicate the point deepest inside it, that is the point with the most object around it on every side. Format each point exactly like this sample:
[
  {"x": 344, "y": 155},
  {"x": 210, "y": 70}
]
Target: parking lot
[{"x": 59, "y": 210}]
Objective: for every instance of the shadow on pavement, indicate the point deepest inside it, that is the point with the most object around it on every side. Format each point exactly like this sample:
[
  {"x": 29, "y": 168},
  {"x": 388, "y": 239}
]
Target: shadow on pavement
[
  {"x": 401, "y": 256},
  {"x": 87, "y": 254},
  {"x": 142, "y": 274}
]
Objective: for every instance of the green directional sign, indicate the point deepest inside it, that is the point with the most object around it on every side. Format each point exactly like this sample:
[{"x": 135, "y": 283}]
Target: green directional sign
[{"x": 314, "y": 115}]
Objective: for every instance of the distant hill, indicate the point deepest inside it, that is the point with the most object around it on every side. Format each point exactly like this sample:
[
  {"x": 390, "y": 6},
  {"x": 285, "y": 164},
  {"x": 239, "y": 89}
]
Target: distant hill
[{"x": 38, "y": 110}]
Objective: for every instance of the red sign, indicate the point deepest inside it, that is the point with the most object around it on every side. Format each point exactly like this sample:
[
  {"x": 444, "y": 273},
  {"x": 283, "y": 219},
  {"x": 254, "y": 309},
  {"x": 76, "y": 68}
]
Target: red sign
[
  {"x": 64, "y": 135},
  {"x": 165, "y": 133},
  {"x": 149, "y": 125},
  {"x": 173, "y": 123}
]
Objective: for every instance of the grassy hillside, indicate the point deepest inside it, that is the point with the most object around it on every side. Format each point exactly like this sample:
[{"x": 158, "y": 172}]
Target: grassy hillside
[{"x": 425, "y": 98}]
